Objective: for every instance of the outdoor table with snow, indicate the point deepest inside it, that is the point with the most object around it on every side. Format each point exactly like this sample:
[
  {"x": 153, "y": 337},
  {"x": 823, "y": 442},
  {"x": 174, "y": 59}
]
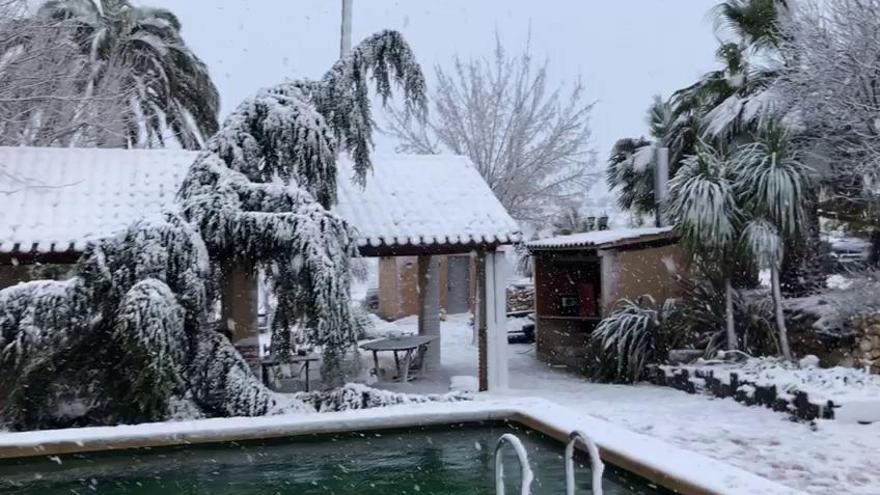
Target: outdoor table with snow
[
  {"x": 303, "y": 361},
  {"x": 412, "y": 346}
]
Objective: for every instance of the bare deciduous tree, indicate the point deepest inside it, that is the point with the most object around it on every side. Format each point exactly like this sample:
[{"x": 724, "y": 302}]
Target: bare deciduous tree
[
  {"x": 529, "y": 141},
  {"x": 831, "y": 88}
]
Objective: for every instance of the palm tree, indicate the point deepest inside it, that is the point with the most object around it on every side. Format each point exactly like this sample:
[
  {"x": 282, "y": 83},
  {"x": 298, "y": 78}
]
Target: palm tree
[
  {"x": 703, "y": 206},
  {"x": 704, "y": 210},
  {"x": 753, "y": 21},
  {"x": 719, "y": 109},
  {"x": 630, "y": 172},
  {"x": 630, "y": 169},
  {"x": 733, "y": 99},
  {"x": 172, "y": 88},
  {"x": 773, "y": 187}
]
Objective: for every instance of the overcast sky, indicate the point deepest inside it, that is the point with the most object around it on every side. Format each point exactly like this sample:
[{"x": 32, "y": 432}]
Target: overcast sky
[{"x": 626, "y": 51}]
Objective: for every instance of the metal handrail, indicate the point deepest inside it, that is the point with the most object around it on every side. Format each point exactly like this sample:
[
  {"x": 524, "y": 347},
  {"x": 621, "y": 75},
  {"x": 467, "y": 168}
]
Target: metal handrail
[
  {"x": 525, "y": 471},
  {"x": 597, "y": 466}
]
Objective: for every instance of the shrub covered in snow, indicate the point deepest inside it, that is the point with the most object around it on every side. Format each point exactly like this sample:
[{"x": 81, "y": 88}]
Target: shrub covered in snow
[
  {"x": 697, "y": 319},
  {"x": 626, "y": 341}
]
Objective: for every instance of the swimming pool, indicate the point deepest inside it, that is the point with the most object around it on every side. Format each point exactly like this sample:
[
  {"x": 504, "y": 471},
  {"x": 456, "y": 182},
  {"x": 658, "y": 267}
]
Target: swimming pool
[
  {"x": 454, "y": 459},
  {"x": 665, "y": 465}
]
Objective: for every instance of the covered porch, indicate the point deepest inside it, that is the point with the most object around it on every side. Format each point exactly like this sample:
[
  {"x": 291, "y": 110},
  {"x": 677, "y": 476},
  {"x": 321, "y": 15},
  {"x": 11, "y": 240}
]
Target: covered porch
[{"x": 426, "y": 207}]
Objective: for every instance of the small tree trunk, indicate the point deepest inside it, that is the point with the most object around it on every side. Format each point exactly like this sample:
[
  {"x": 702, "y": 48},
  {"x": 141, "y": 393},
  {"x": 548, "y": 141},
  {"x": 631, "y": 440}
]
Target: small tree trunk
[
  {"x": 780, "y": 317},
  {"x": 874, "y": 259},
  {"x": 728, "y": 310}
]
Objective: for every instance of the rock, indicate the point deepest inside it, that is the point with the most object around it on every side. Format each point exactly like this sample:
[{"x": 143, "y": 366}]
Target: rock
[
  {"x": 865, "y": 345},
  {"x": 809, "y": 361},
  {"x": 847, "y": 362},
  {"x": 684, "y": 356}
]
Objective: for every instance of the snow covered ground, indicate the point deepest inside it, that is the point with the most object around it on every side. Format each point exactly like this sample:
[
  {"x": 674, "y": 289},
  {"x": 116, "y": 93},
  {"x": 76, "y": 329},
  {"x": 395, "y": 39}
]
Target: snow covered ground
[{"x": 827, "y": 457}]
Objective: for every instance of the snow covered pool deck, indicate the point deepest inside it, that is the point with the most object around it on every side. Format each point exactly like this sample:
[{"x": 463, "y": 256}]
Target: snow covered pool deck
[{"x": 664, "y": 464}]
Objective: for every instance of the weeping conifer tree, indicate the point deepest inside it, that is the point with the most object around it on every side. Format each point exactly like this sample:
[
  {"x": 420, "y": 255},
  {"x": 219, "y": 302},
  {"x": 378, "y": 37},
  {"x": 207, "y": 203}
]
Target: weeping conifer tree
[{"x": 127, "y": 338}]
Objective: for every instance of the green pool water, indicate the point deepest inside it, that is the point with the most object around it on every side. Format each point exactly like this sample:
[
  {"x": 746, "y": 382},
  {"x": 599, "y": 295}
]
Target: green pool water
[{"x": 450, "y": 460}]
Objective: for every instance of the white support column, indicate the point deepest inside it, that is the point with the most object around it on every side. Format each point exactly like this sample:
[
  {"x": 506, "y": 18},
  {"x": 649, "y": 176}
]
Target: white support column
[
  {"x": 429, "y": 307},
  {"x": 496, "y": 320}
]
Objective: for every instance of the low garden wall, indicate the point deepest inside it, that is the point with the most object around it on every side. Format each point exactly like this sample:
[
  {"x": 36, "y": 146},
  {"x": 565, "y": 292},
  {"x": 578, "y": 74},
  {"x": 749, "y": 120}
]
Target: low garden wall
[
  {"x": 867, "y": 348},
  {"x": 694, "y": 380}
]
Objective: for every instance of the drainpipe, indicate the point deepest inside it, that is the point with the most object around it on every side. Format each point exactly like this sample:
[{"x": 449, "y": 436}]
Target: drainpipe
[{"x": 661, "y": 186}]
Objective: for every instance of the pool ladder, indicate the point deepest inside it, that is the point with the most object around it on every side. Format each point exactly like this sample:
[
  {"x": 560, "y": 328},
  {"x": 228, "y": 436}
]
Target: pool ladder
[{"x": 526, "y": 474}]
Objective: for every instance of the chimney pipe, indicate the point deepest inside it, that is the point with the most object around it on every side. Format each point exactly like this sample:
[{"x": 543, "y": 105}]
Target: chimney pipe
[
  {"x": 345, "y": 31},
  {"x": 661, "y": 186}
]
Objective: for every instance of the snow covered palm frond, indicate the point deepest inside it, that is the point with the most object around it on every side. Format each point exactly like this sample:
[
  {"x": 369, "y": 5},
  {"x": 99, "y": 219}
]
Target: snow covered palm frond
[
  {"x": 634, "y": 184},
  {"x": 723, "y": 119},
  {"x": 772, "y": 182},
  {"x": 703, "y": 201},
  {"x": 625, "y": 341},
  {"x": 764, "y": 242},
  {"x": 172, "y": 92}
]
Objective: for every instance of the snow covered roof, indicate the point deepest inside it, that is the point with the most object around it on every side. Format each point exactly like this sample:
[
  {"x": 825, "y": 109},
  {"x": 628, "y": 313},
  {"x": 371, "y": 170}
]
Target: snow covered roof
[
  {"x": 56, "y": 199},
  {"x": 423, "y": 200},
  {"x": 603, "y": 238}
]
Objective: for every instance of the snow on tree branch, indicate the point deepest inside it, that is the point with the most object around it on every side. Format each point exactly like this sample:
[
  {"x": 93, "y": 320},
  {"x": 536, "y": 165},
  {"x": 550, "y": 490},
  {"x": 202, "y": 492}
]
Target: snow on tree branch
[
  {"x": 259, "y": 197},
  {"x": 829, "y": 89}
]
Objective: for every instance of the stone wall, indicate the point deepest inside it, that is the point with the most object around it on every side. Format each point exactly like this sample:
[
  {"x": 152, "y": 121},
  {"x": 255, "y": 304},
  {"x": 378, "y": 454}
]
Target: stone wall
[
  {"x": 797, "y": 405},
  {"x": 866, "y": 352}
]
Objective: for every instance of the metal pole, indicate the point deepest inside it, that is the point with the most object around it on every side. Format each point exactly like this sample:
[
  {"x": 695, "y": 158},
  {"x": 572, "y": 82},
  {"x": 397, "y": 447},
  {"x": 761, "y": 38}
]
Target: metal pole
[
  {"x": 661, "y": 185},
  {"x": 345, "y": 32}
]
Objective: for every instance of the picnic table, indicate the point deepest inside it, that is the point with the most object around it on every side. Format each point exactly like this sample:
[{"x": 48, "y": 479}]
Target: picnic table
[
  {"x": 304, "y": 361},
  {"x": 411, "y": 346}
]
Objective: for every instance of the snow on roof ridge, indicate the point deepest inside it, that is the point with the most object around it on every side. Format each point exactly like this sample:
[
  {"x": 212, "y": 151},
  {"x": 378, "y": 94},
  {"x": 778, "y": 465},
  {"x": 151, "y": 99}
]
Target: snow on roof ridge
[{"x": 598, "y": 237}]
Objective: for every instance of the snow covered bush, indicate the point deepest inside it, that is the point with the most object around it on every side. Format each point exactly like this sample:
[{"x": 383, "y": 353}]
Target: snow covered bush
[
  {"x": 626, "y": 341},
  {"x": 127, "y": 339},
  {"x": 697, "y": 319},
  {"x": 638, "y": 333}
]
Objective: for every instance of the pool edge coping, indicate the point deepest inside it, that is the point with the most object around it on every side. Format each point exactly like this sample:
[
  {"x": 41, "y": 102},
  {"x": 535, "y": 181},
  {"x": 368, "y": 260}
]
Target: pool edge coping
[{"x": 538, "y": 414}]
